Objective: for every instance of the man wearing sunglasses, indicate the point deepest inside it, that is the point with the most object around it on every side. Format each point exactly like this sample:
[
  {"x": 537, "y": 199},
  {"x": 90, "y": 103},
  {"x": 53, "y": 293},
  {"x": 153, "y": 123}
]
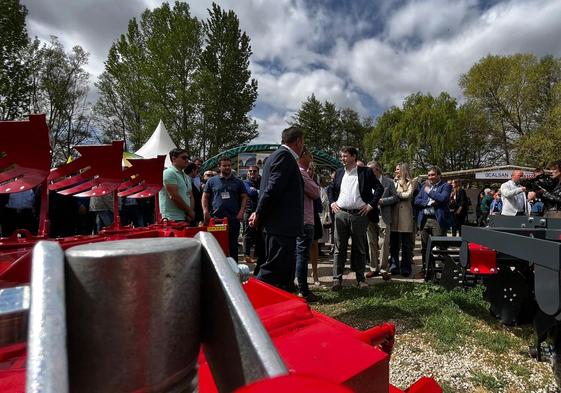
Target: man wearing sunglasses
[{"x": 176, "y": 197}]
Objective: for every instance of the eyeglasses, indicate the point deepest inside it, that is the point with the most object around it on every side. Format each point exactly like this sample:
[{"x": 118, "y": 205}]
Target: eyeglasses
[{"x": 252, "y": 170}]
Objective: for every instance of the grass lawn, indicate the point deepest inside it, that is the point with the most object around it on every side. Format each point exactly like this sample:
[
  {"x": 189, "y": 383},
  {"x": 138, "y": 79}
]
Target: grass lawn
[{"x": 450, "y": 336}]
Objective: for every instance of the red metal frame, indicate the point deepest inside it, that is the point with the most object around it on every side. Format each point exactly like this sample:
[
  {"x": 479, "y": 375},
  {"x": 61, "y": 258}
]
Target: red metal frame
[{"x": 322, "y": 354}]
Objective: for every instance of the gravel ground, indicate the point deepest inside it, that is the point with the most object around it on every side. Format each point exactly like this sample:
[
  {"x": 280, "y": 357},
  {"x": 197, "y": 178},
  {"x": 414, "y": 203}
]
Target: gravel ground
[{"x": 458, "y": 371}]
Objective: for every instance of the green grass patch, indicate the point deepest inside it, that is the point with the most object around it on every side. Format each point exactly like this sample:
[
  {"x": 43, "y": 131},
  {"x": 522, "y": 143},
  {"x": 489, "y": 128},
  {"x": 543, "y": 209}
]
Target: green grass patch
[
  {"x": 447, "y": 387},
  {"x": 447, "y": 317},
  {"x": 520, "y": 371},
  {"x": 496, "y": 341},
  {"x": 487, "y": 381}
]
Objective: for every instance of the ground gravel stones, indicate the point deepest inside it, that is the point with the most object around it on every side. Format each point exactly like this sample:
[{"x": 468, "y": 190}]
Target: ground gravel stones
[{"x": 471, "y": 368}]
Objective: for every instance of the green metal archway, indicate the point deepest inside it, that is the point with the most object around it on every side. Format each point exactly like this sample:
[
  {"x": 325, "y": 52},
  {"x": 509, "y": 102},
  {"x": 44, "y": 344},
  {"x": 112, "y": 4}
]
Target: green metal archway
[{"x": 321, "y": 158}]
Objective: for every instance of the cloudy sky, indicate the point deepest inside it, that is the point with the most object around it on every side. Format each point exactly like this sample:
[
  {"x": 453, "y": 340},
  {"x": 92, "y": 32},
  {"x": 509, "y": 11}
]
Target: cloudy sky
[{"x": 363, "y": 54}]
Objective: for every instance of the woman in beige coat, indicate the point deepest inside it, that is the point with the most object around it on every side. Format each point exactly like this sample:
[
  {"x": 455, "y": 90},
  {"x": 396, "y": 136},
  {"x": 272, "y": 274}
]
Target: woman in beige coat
[{"x": 403, "y": 226}]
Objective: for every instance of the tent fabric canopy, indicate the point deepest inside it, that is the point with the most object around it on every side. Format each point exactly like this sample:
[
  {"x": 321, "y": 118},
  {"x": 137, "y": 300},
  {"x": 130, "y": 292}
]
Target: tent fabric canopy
[
  {"x": 159, "y": 144},
  {"x": 321, "y": 158}
]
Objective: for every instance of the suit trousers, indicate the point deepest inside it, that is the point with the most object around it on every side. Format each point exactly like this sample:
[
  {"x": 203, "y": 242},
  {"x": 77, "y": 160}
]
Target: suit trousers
[
  {"x": 379, "y": 245},
  {"x": 353, "y": 226},
  {"x": 279, "y": 266},
  {"x": 303, "y": 245},
  {"x": 430, "y": 228},
  {"x": 405, "y": 242}
]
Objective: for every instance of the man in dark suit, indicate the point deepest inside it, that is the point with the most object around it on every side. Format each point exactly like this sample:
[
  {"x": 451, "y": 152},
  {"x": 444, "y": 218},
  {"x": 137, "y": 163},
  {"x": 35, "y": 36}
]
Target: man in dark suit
[
  {"x": 434, "y": 216},
  {"x": 356, "y": 191},
  {"x": 280, "y": 210}
]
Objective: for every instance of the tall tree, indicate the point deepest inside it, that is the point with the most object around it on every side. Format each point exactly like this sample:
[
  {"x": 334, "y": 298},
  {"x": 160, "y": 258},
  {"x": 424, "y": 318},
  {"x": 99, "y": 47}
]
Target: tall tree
[
  {"x": 226, "y": 90},
  {"x": 330, "y": 136},
  {"x": 149, "y": 75},
  {"x": 15, "y": 53},
  {"x": 430, "y": 131},
  {"x": 541, "y": 147},
  {"x": 515, "y": 92},
  {"x": 62, "y": 95},
  {"x": 353, "y": 129},
  {"x": 384, "y": 142},
  {"x": 329, "y": 128},
  {"x": 310, "y": 117}
]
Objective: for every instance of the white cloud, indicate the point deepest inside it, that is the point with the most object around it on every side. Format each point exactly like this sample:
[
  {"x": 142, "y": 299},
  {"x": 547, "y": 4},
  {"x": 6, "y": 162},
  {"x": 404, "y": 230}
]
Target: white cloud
[
  {"x": 387, "y": 50},
  {"x": 270, "y": 128},
  {"x": 288, "y": 90},
  {"x": 390, "y": 72},
  {"x": 427, "y": 20}
]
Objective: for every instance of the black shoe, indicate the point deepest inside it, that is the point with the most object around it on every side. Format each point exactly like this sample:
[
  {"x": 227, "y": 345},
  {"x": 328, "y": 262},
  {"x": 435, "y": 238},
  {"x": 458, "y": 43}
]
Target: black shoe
[
  {"x": 394, "y": 270},
  {"x": 337, "y": 285},
  {"x": 405, "y": 273},
  {"x": 311, "y": 297}
]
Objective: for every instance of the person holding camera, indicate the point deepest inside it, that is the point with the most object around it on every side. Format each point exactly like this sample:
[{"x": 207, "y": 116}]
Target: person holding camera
[{"x": 552, "y": 199}]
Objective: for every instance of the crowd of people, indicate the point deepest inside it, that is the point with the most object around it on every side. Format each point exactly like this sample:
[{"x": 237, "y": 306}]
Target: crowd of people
[
  {"x": 539, "y": 195},
  {"x": 287, "y": 212}
]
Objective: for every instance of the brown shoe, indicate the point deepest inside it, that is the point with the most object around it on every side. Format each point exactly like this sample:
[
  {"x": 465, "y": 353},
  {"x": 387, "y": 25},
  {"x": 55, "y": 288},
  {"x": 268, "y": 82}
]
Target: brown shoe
[
  {"x": 386, "y": 276},
  {"x": 372, "y": 274},
  {"x": 420, "y": 275},
  {"x": 249, "y": 259}
]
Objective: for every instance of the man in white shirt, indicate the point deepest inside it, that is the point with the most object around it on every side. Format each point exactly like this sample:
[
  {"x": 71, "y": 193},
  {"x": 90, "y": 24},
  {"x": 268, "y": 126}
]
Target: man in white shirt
[
  {"x": 514, "y": 196},
  {"x": 356, "y": 192}
]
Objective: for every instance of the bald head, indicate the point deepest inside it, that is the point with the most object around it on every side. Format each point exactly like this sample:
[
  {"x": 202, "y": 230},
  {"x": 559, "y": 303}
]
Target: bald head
[{"x": 517, "y": 174}]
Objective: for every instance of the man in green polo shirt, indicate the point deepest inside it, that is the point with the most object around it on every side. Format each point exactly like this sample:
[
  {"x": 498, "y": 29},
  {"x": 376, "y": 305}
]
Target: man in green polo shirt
[{"x": 176, "y": 197}]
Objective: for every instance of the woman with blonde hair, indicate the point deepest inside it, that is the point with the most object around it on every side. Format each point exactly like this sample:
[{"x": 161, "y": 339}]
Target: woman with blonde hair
[{"x": 403, "y": 226}]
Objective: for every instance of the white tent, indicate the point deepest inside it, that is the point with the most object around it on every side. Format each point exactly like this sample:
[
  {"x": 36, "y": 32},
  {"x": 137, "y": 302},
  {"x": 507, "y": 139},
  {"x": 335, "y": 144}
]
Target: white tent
[{"x": 159, "y": 144}]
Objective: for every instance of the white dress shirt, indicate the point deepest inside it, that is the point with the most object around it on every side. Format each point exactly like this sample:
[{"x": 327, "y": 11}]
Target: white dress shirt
[
  {"x": 514, "y": 199},
  {"x": 349, "y": 196}
]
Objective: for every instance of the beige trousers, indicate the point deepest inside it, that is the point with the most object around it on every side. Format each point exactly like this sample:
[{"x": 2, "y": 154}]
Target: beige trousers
[{"x": 379, "y": 245}]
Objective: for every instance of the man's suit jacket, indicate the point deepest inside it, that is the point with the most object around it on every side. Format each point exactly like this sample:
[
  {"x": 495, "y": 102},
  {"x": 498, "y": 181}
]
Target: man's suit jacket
[
  {"x": 441, "y": 194},
  {"x": 280, "y": 207},
  {"x": 369, "y": 187},
  {"x": 388, "y": 200}
]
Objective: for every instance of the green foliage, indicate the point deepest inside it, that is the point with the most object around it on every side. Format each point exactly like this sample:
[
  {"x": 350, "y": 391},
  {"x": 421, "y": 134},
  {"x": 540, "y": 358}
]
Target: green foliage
[
  {"x": 517, "y": 94},
  {"x": 62, "y": 89},
  {"x": 226, "y": 92},
  {"x": 194, "y": 76},
  {"x": 15, "y": 59},
  {"x": 328, "y": 128},
  {"x": 430, "y": 131},
  {"x": 490, "y": 382},
  {"x": 149, "y": 76}
]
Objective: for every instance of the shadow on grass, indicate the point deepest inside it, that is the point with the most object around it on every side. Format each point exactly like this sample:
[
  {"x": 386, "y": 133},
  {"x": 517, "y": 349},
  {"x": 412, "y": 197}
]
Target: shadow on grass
[
  {"x": 449, "y": 317},
  {"x": 382, "y": 291}
]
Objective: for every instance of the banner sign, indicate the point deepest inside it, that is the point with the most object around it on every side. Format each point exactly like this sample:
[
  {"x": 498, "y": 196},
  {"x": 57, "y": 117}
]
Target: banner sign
[
  {"x": 245, "y": 160},
  {"x": 501, "y": 174}
]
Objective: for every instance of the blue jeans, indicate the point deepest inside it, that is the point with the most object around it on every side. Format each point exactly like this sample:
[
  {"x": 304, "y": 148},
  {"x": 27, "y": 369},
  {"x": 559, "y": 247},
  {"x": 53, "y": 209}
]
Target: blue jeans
[
  {"x": 104, "y": 218},
  {"x": 303, "y": 245}
]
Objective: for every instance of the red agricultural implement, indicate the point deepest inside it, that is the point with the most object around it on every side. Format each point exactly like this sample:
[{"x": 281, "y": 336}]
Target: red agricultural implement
[{"x": 156, "y": 309}]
